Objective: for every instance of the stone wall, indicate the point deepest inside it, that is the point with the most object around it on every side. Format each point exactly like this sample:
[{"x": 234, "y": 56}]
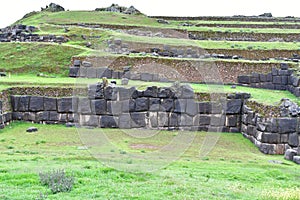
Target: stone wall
[
  {"x": 117, "y": 107},
  {"x": 244, "y": 36},
  {"x": 5, "y": 117},
  {"x": 85, "y": 69},
  {"x": 277, "y": 79},
  {"x": 23, "y": 33},
  {"x": 272, "y": 135}
]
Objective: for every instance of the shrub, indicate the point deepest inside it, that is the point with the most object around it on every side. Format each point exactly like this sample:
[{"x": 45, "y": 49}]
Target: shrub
[{"x": 57, "y": 181}]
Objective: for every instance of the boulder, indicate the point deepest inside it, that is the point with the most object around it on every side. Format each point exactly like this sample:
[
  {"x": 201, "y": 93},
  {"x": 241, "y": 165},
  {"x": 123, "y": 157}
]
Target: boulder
[
  {"x": 32, "y": 129},
  {"x": 289, "y": 154},
  {"x": 296, "y": 159},
  {"x": 124, "y": 81},
  {"x": 162, "y": 21},
  {"x": 53, "y": 8}
]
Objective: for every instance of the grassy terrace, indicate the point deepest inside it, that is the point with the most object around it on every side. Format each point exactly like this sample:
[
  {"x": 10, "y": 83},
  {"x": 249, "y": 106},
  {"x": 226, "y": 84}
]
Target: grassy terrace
[
  {"x": 264, "y": 96},
  {"x": 233, "y": 169},
  {"x": 90, "y": 17}
]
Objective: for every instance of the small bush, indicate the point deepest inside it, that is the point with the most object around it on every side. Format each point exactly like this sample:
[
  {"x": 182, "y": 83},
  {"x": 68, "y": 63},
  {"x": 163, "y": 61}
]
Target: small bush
[{"x": 57, "y": 181}]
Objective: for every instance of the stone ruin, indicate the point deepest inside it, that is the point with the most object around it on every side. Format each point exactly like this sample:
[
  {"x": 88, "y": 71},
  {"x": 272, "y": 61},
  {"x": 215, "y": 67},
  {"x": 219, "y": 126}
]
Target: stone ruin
[{"x": 120, "y": 9}]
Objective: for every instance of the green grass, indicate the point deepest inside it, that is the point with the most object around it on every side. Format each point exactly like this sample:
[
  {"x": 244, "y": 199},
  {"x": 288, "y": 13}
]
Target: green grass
[
  {"x": 269, "y": 97},
  {"x": 37, "y": 57},
  {"x": 234, "y": 169}
]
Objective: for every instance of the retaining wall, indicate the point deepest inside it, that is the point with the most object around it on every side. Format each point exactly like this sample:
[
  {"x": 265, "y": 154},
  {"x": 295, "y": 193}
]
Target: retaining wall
[
  {"x": 113, "y": 107},
  {"x": 278, "y": 79},
  {"x": 272, "y": 135}
]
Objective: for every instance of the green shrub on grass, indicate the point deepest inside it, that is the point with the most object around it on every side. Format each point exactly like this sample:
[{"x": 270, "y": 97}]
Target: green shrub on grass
[{"x": 57, "y": 181}]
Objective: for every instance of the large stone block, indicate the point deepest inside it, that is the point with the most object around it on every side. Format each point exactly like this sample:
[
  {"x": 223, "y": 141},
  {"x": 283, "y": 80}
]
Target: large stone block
[
  {"x": 141, "y": 104},
  {"x": 277, "y": 79},
  {"x": 185, "y": 120},
  {"x": 125, "y": 94},
  {"x": 83, "y": 72},
  {"x": 128, "y": 106},
  {"x": 180, "y": 105},
  {"x": 204, "y": 120},
  {"x": 295, "y": 81},
  {"x": 23, "y": 103},
  {"x": 191, "y": 107},
  {"x": 205, "y": 107},
  {"x": 251, "y": 130},
  {"x": 153, "y": 119},
  {"x": 50, "y": 104},
  {"x": 165, "y": 93},
  {"x": 151, "y": 92},
  {"x": 125, "y": 121},
  {"x": 244, "y": 79},
  {"x": 217, "y": 120},
  {"x": 109, "y": 121},
  {"x": 154, "y": 104},
  {"x": 138, "y": 119},
  {"x": 36, "y": 103},
  {"x": 268, "y": 148},
  {"x": 98, "y": 106},
  {"x": 53, "y": 116},
  {"x": 110, "y": 93},
  {"x": 231, "y": 120},
  {"x": 74, "y": 72},
  {"x": 234, "y": 106},
  {"x": 271, "y": 138},
  {"x": 293, "y": 139},
  {"x": 289, "y": 154},
  {"x": 287, "y": 125},
  {"x": 114, "y": 107},
  {"x": 174, "y": 119},
  {"x": 65, "y": 105},
  {"x": 14, "y": 102},
  {"x": 262, "y": 78},
  {"x": 42, "y": 116},
  {"x": 167, "y": 105},
  {"x": 163, "y": 119},
  {"x": 84, "y": 106}
]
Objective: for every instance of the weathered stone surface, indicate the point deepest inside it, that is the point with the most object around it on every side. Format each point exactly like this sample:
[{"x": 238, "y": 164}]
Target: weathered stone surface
[
  {"x": 74, "y": 72},
  {"x": 231, "y": 120},
  {"x": 141, "y": 104},
  {"x": 23, "y": 103},
  {"x": 289, "y": 154},
  {"x": 174, "y": 119},
  {"x": 91, "y": 72},
  {"x": 268, "y": 148},
  {"x": 64, "y": 105},
  {"x": 217, "y": 120},
  {"x": 108, "y": 121},
  {"x": 77, "y": 63},
  {"x": 287, "y": 125},
  {"x": 146, "y": 77},
  {"x": 204, "y": 120},
  {"x": 53, "y": 116},
  {"x": 244, "y": 79},
  {"x": 124, "y": 81},
  {"x": 36, "y": 103},
  {"x": 185, "y": 120},
  {"x": 153, "y": 119},
  {"x": 84, "y": 106},
  {"x": 62, "y": 117},
  {"x": 187, "y": 92},
  {"x": 271, "y": 138},
  {"x": 167, "y": 105},
  {"x": 234, "y": 106},
  {"x": 138, "y": 119},
  {"x": 151, "y": 92},
  {"x": 165, "y": 93},
  {"x": 110, "y": 93},
  {"x": 296, "y": 159},
  {"x": 191, "y": 107},
  {"x": 154, "y": 104},
  {"x": 293, "y": 139},
  {"x": 179, "y": 105},
  {"x": 163, "y": 119},
  {"x": 42, "y": 116},
  {"x": 114, "y": 107},
  {"x": 205, "y": 107},
  {"x": 125, "y": 121},
  {"x": 50, "y": 104},
  {"x": 98, "y": 106}
]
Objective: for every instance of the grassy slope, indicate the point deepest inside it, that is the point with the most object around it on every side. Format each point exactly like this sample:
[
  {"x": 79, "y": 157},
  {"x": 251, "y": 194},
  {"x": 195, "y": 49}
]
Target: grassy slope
[
  {"x": 37, "y": 57},
  {"x": 234, "y": 169}
]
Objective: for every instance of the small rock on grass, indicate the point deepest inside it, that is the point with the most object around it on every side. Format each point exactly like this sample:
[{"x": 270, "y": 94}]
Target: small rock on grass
[{"x": 32, "y": 129}]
